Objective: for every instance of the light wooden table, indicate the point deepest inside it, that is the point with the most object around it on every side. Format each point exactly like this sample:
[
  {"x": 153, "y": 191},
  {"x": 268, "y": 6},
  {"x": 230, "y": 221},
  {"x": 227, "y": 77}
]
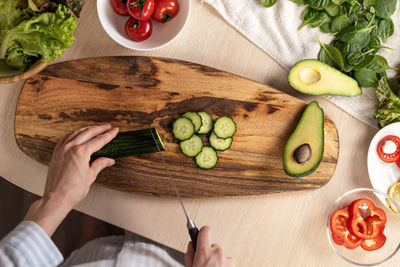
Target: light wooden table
[{"x": 272, "y": 230}]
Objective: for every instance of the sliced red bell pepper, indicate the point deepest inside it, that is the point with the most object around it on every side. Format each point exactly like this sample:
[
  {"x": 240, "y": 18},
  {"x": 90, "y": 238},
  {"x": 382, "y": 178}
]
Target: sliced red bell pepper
[
  {"x": 376, "y": 242},
  {"x": 357, "y": 222},
  {"x": 340, "y": 233}
]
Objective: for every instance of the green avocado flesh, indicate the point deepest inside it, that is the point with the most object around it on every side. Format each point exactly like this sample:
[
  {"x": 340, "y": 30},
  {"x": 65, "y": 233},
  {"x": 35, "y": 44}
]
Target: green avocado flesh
[
  {"x": 314, "y": 77},
  {"x": 309, "y": 130}
]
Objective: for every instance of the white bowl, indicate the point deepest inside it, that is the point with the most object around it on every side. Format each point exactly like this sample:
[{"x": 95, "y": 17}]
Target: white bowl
[
  {"x": 381, "y": 174},
  {"x": 162, "y": 35}
]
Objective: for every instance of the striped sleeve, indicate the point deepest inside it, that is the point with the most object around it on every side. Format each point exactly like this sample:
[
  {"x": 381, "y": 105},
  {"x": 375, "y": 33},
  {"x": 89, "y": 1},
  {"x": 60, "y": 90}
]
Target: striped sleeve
[{"x": 28, "y": 245}]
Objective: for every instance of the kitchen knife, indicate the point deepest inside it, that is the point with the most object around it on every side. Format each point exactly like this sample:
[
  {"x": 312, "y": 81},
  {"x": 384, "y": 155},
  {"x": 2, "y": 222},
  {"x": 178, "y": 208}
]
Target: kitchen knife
[{"x": 193, "y": 230}]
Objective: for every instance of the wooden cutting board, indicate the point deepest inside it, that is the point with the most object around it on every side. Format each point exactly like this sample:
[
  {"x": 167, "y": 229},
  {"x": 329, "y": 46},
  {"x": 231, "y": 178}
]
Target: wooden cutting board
[{"x": 136, "y": 92}]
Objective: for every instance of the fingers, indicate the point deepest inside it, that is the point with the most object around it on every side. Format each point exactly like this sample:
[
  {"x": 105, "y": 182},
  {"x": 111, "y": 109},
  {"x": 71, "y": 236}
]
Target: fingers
[
  {"x": 85, "y": 134},
  {"x": 204, "y": 238},
  {"x": 101, "y": 163},
  {"x": 101, "y": 140},
  {"x": 189, "y": 256}
]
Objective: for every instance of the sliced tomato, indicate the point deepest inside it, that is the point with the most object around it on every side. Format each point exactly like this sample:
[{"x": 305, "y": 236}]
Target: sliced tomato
[
  {"x": 341, "y": 235},
  {"x": 392, "y": 157},
  {"x": 120, "y": 7}
]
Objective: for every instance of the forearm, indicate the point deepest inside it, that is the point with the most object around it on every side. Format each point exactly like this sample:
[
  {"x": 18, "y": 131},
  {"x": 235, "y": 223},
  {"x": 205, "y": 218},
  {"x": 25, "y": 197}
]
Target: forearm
[{"x": 48, "y": 214}]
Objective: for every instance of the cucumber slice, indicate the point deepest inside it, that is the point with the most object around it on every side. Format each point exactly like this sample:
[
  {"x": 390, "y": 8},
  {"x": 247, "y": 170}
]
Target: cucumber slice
[
  {"x": 207, "y": 121},
  {"x": 207, "y": 158},
  {"x": 192, "y": 147},
  {"x": 219, "y": 143},
  {"x": 224, "y": 127},
  {"x": 195, "y": 118},
  {"x": 183, "y": 129}
]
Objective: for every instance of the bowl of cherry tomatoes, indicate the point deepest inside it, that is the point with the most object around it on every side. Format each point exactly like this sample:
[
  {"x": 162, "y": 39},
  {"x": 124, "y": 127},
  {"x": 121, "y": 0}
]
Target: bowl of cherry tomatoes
[
  {"x": 143, "y": 24},
  {"x": 362, "y": 229}
]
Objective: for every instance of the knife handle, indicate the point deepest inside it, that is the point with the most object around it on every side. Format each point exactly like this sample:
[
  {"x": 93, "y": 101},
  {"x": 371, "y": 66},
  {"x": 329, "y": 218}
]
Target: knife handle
[{"x": 194, "y": 232}]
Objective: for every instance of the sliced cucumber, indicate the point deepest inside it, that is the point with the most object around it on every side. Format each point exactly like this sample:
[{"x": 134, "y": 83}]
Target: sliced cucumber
[
  {"x": 207, "y": 158},
  {"x": 219, "y": 143},
  {"x": 207, "y": 121},
  {"x": 192, "y": 147},
  {"x": 183, "y": 129},
  {"x": 195, "y": 118},
  {"x": 224, "y": 127}
]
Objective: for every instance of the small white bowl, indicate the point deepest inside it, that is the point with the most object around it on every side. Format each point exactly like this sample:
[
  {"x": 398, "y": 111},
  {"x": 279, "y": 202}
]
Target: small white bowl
[
  {"x": 381, "y": 174},
  {"x": 162, "y": 35}
]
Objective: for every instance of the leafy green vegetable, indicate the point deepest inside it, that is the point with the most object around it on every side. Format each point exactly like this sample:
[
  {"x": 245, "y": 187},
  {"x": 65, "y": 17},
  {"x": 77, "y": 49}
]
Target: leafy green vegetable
[
  {"x": 366, "y": 77},
  {"x": 388, "y": 110},
  {"x": 300, "y": 2},
  {"x": 11, "y": 15},
  {"x": 385, "y": 28},
  {"x": 318, "y": 4},
  {"x": 77, "y": 5},
  {"x": 43, "y": 37},
  {"x": 355, "y": 34},
  {"x": 331, "y": 56},
  {"x": 385, "y": 8},
  {"x": 326, "y": 27},
  {"x": 340, "y": 22},
  {"x": 314, "y": 18},
  {"x": 332, "y": 9},
  {"x": 268, "y": 3}
]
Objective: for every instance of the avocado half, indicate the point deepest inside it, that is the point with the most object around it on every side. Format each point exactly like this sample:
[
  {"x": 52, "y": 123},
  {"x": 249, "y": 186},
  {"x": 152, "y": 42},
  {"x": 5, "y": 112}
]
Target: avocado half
[
  {"x": 305, "y": 147},
  {"x": 314, "y": 77}
]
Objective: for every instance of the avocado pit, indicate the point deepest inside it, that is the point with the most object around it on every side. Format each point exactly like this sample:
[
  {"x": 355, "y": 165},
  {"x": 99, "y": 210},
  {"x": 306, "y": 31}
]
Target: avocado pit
[{"x": 303, "y": 153}]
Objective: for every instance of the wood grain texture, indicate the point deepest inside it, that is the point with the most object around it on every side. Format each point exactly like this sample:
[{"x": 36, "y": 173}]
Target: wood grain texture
[{"x": 137, "y": 92}]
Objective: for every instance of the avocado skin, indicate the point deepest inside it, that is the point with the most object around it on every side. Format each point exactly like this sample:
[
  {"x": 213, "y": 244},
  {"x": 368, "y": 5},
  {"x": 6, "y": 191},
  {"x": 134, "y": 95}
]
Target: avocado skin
[
  {"x": 332, "y": 82},
  {"x": 317, "y": 146}
]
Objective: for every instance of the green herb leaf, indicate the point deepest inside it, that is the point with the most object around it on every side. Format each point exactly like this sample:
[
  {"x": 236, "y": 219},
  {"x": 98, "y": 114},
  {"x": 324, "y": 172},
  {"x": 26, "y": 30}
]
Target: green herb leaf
[
  {"x": 318, "y": 4},
  {"x": 331, "y": 56},
  {"x": 355, "y": 34},
  {"x": 332, "y": 9},
  {"x": 339, "y": 23},
  {"x": 365, "y": 77},
  {"x": 268, "y": 3},
  {"x": 385, "y": 28},
  {"x": 385, "y": 8}
]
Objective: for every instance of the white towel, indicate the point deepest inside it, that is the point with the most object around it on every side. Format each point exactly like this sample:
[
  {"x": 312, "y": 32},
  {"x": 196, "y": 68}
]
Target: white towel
[{"x": 275, "y": 30}]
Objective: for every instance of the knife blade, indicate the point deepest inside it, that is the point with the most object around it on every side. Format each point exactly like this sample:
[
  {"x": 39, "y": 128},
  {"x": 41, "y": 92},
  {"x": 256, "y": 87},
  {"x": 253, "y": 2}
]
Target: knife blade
[{"x": 191, "y": 226}]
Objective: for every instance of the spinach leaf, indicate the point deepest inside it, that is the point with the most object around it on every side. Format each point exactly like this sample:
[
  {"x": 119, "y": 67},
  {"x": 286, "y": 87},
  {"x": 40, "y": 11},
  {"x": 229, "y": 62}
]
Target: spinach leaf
[
  {"x": 385, "y": 28},
  {"x": 300, "y": 2},
  {"x": 385, "y": 8},
  {"x": 318, "y": 4},
  {"x": 314, "y": 18},
  {"x": 338, "y": 2},
  {"x": 382, "y": 64},
  {"x": 339, "y": 23},
  {"x": 370, "y": 62},
  {"x": 366, "y": 77},
  {"x": 331, "y": 56},
  {"x": 370, "y": 2},
  {"x": 332, "y": 9},
  {"x": 355, "y": 34},
  {"x": 326, "y": 28},
  {"x": 268, "y": 3}
]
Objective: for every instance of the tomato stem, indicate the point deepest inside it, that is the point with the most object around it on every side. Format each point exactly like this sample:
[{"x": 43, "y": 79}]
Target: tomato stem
[
  {"x": 136, "y": 25},
  {"x": 167, "y": 16}
]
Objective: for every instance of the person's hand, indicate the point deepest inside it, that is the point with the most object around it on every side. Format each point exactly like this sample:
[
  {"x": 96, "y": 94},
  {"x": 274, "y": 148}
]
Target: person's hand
[
  {"x": 70, "y": 174},
  {"x": 207, "y": 254}
]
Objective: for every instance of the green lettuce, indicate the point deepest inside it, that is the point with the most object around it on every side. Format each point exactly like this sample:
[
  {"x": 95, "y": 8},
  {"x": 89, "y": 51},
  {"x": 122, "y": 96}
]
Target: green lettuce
[
  {"x": 11, "y": 15},
  {"x": 388, "y": 110},
  {"x": 43, "y": 37}
]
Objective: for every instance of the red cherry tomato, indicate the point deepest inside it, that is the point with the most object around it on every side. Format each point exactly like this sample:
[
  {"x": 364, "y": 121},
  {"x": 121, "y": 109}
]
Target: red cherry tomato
[
  {"x": 165, "y": 10},
  {"x": 140, "y": 9},
  {"x": 392, "y": 157},
  {"x": 138, "y": 30},
  {"x": 119, "y": 7}
]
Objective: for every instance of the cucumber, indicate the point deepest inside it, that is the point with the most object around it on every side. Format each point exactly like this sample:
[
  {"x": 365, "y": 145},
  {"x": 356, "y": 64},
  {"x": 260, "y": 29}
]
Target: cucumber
[
  {"x": 131, "y": 143},
  {"x": 183, "y": 129},
  {"x": 195, "y": 119},
  {"x": 207, "y": 158},
  {"x": 207, "y": 122},
  {"x": 219, "y": 143},
  {"x": 224, "y": 127},
  {"x": 191, "y": 147}
]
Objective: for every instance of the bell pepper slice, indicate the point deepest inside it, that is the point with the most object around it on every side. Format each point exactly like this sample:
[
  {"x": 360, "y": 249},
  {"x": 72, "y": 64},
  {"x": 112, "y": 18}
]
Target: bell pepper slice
[
  {"x": 376, "y": 242},
  {"x": 341, "y": 235},
  {"x": 357, "y": 222}
]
